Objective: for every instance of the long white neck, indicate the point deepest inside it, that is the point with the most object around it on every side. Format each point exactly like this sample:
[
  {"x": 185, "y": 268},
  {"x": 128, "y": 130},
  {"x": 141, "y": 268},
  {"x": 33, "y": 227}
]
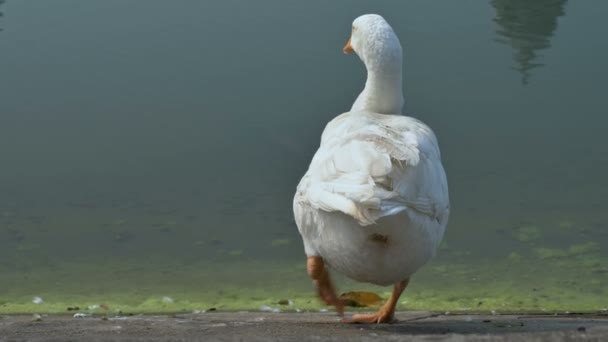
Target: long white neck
[{"x": 383, "y": 88}]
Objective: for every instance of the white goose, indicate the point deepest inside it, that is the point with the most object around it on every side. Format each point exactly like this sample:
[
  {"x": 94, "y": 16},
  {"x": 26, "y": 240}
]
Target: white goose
[{"x": 374, "y": 203}]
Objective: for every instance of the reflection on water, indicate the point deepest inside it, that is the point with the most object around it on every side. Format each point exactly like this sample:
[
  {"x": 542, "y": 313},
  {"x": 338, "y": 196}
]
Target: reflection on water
[
  {"x": 528, "y": 27},
  {"x": 1, "y": 13}
]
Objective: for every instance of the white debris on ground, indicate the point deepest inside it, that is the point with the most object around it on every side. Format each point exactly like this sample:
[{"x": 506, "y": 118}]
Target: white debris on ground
[
  {"x": 36, "y": 318},
  {"x": 37, "y": 300},
  {"x": 80, "y": 315},
  {"x": 267, "y": 308},
  {"x": 167, "y": 300},
  {"x": 93, "y": 307}
]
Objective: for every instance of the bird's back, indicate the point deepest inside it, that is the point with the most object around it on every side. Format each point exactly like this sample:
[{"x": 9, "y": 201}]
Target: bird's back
[{"x": 375, "y": 192}]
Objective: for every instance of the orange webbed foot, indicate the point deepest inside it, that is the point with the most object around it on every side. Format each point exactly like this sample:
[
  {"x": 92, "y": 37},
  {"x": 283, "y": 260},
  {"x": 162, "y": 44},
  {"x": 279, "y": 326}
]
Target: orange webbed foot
[
  {"x": 378, "y": 317},
  {"x": 386, "y": 314}
]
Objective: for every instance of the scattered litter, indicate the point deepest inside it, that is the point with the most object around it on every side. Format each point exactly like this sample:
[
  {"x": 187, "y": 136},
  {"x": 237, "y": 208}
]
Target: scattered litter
[
  {"x": 80, "y": 315},
  {"x": 167, "y": 300},
  {"x": 37, "y": 300},
  {"x": 267, "y": 308},
  {"x": 36, "y": 318}
]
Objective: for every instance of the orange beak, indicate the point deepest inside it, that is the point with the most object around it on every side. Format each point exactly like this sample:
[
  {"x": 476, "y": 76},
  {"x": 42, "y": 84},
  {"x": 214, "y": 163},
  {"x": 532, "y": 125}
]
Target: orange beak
[{"x": 348, "y": 48}]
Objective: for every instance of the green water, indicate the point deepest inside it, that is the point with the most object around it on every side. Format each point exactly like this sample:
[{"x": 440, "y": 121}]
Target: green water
[{"x": 151, "y": 149}]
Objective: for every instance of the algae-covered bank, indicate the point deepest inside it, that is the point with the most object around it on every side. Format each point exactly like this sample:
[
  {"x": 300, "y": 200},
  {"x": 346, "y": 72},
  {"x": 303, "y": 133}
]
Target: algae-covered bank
[{"x": 531, "y": 274}]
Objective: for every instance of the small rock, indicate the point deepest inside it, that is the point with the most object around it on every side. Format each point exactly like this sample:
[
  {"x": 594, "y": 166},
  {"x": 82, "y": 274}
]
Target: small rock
[{"x": 36, "y": 318}]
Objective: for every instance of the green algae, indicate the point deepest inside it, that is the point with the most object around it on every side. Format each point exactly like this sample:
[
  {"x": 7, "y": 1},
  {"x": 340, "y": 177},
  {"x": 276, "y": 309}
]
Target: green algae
[
  {"x": 578, "y": 250},
  {"x": 139, "y": 286},
  {"x": 201, "y": 271},
  {"x": 515, "y": 257},
  {"x": 527, "y": 233}
]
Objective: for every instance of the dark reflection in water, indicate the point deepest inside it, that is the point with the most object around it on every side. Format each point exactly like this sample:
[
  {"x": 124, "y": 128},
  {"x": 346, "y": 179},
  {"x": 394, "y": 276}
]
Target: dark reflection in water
[
  {"x": 528, "y": 27},
  {"x": 1, "y": 13}
]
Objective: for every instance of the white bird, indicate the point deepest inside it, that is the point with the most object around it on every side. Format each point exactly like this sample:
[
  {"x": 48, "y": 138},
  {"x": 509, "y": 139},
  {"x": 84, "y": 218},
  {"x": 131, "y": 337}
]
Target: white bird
[{"x": 374, "y": 202}]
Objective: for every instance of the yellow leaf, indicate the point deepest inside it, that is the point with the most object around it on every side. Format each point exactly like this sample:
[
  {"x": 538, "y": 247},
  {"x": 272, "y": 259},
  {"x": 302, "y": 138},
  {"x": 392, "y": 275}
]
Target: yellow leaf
[{"x": 361, "y": 298}]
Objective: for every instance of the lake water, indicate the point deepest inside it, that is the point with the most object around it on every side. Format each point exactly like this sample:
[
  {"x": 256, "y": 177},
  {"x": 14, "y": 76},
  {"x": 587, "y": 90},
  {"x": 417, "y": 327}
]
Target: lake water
[{"x": 151, "y": 149}]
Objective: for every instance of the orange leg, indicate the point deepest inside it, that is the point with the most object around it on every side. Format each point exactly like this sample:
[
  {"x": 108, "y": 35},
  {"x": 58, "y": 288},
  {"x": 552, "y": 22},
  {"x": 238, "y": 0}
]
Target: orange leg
[
  {"x": 386, "y": 312},
  {"x": 320, "y": 276}
]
